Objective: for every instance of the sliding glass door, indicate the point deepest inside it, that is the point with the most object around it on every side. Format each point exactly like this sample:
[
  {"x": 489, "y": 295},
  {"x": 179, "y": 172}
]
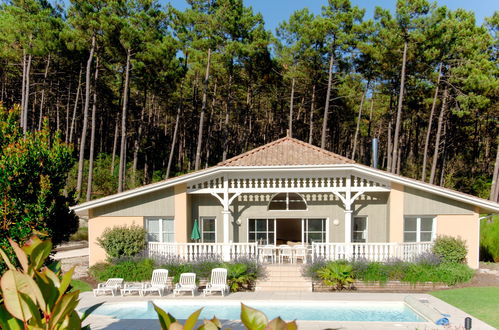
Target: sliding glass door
[{"x": 261, "y": 231}]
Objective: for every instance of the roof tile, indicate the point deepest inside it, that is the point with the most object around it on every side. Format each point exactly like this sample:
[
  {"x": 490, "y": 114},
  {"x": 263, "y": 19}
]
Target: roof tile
[{"x": 286, "y": 151}]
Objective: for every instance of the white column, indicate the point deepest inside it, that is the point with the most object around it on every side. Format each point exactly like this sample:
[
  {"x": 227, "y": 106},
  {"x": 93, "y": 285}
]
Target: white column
[
  {"x": 348, "y": 226},
  {"x": 226, "y": 221},
  {"x": 348, "y": 210}
]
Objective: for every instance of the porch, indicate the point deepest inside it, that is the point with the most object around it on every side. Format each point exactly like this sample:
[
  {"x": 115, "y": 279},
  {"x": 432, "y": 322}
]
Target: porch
[{"x": 189, "y": 252}]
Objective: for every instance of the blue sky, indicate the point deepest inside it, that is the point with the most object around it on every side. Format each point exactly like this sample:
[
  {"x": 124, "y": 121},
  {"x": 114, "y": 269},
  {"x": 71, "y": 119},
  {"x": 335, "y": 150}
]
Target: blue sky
[{"x": 276, "y": 11}]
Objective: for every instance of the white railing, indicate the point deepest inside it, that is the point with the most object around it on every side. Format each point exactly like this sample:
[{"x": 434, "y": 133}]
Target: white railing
[
  {"x": 199, "y": 251},
  {"x": 326, "y": 251},
  {"x": 369, "y": 251}
]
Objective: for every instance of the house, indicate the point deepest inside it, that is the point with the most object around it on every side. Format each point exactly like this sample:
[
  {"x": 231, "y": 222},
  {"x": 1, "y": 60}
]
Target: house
[{"x": 291, "y": 191}]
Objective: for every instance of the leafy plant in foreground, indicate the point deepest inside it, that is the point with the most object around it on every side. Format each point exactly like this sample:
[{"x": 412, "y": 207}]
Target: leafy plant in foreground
[
  {"x": 252, "y": 318},
  {"x": 36, "y": 297}
]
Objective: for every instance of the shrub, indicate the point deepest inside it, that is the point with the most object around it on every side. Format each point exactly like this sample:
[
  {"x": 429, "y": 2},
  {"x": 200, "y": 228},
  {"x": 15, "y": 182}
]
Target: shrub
[
  {"x": 310, "y": 269},
  {"x": 450, "y": 249},
  {"x": 240, "y": 276},
  {"x": 129, "y": 270},
  {"x": 448, "y": 273},
  {"x": 489, "y": 239},
  {"x": 336, "y": 274},
  {"x": 123, "y": 241},
  {"x": 371, "y": 272}
]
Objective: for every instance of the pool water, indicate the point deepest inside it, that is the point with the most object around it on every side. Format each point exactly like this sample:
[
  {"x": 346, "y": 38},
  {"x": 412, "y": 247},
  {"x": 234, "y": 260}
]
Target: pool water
[{"x": 304, "y": 311}]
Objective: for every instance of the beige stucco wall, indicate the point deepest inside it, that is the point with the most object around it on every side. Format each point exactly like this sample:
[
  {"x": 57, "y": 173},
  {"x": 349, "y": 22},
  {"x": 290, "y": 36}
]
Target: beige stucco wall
[
  {"x": 466, "y": 227},
  {"x": 182, "y": 213},
  {"x": 157, "y": 203},
  {"x": 396, "y": 213},
  {"x": 96, "y": 227},
  {"x": 419, "y": 202}
]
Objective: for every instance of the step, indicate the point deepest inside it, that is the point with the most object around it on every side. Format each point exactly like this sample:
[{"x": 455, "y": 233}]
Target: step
[
  {"x": 288, "y": 285},
  {"x": 280, "y": 289}
]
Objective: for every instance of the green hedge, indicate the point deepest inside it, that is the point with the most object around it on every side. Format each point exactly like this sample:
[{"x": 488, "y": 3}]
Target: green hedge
[{"x": 418, "y": 272}]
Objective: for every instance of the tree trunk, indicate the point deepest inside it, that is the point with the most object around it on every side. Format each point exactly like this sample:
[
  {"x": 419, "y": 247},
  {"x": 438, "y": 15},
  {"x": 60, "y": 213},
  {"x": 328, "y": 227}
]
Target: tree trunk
[
  {"x": 83, "y": 139},
  {"x": 226, "y": 123},
  {"x": 203, "y": 110},
  {"x": 430, "y": 122},
  {"x": 437, "y": 138},
  {"x": 122, "y": 169},
  {"x": 389, "y": 147},
  {"x": 359, "y": 116},
  {"x": 26, "y": 96},
  {"x": 115, "y": 143},
  {"x": 175, "y": 132},
  {"x": 399, "y": 109},
  {"x": 23, "y": 90},
  {"x": 43, "y": 93},
  {"x": 311, "y": 123},
  {"x": 92, "y": 135},
  {"x": 494, "y": 188},
  {"x": 291, "y": 99},
  {"x": 78, "y": 90},
  {"x": 136, "y": 144},
  {"x": 326, "y": 106}
]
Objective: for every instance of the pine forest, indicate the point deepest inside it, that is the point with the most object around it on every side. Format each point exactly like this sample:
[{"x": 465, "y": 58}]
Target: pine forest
[{"x": 144, "y": 91}]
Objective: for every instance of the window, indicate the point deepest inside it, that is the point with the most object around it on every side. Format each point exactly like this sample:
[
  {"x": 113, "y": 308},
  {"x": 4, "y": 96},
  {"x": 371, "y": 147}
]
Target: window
[
  {"x": 419, "y": 229},
  {"x": 315, "y": 230},
  {"x": 359, "y": 230},
  {"x": 261, "y": 231},
  {"x": 287, "y": 202},
  {"x": 160, "y": 230},
  {"x": 208, "y": 230}
]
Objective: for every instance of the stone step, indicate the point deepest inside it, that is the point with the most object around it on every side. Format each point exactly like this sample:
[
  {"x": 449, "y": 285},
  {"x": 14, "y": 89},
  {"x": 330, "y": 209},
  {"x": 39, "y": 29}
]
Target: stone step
[
  {"x": 280, "y": 289},
  {"x": 288, "y": 285},
  {"x": 286, "y": 278}
]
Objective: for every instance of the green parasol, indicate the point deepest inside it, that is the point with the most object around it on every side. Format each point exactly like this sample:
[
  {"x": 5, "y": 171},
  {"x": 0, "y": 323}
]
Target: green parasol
[{"x": 195, "y": 235}]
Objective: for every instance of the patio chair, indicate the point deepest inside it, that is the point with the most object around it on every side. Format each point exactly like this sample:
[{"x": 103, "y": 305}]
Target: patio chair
[
  {"x": 285, "y": 253},
  {"x": 187, "y": 283},
  {"x": 267, "y": 252},
  {"x": 158, "y": 282},
  {"x": 111, "y": 285},
  {"x": 218, "y": 282},
  {"x": 300, "y": 252}
]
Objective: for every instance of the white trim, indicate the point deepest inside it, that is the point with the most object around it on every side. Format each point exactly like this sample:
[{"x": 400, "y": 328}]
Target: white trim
[{"x": 487, "y": 206}]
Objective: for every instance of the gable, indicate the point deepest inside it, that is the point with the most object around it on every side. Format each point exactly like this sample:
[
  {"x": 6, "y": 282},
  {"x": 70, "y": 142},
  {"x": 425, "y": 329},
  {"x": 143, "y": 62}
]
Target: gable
[{"x": 417, "y": 202}]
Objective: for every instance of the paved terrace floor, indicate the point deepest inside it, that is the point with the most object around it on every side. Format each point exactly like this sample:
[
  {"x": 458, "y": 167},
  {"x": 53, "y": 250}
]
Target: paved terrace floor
[{"x": 456, "y": 319}]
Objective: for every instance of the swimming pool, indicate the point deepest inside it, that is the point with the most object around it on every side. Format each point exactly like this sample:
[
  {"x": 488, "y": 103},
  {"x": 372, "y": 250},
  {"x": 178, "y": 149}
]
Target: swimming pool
[{"x": 303, "y": 310}]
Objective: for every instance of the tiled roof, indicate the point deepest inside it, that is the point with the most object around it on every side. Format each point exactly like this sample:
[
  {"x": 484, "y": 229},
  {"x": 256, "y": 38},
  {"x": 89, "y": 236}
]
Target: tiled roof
[{"x": 286, "y": 151}]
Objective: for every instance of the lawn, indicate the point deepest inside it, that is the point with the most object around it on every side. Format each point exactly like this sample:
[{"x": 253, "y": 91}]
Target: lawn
[
  {"x": 483, "y": 303},
  {"x": 80, "y": 285}
]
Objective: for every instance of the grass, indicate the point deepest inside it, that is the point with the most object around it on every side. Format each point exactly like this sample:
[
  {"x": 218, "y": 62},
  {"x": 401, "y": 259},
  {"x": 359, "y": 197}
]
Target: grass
[
  {"x": 482, "y": 303},
  {"x": 80, "y": 285},
  {"x": 80, "y": 235}
]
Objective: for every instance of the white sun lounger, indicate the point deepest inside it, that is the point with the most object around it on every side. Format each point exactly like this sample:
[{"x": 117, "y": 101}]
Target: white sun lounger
[
  {"x": 111, "y": 285},
  {"x": 187, "y": 283},
  {"x": 218, "y": 281},
  {"x": 158, "y": 282}
]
